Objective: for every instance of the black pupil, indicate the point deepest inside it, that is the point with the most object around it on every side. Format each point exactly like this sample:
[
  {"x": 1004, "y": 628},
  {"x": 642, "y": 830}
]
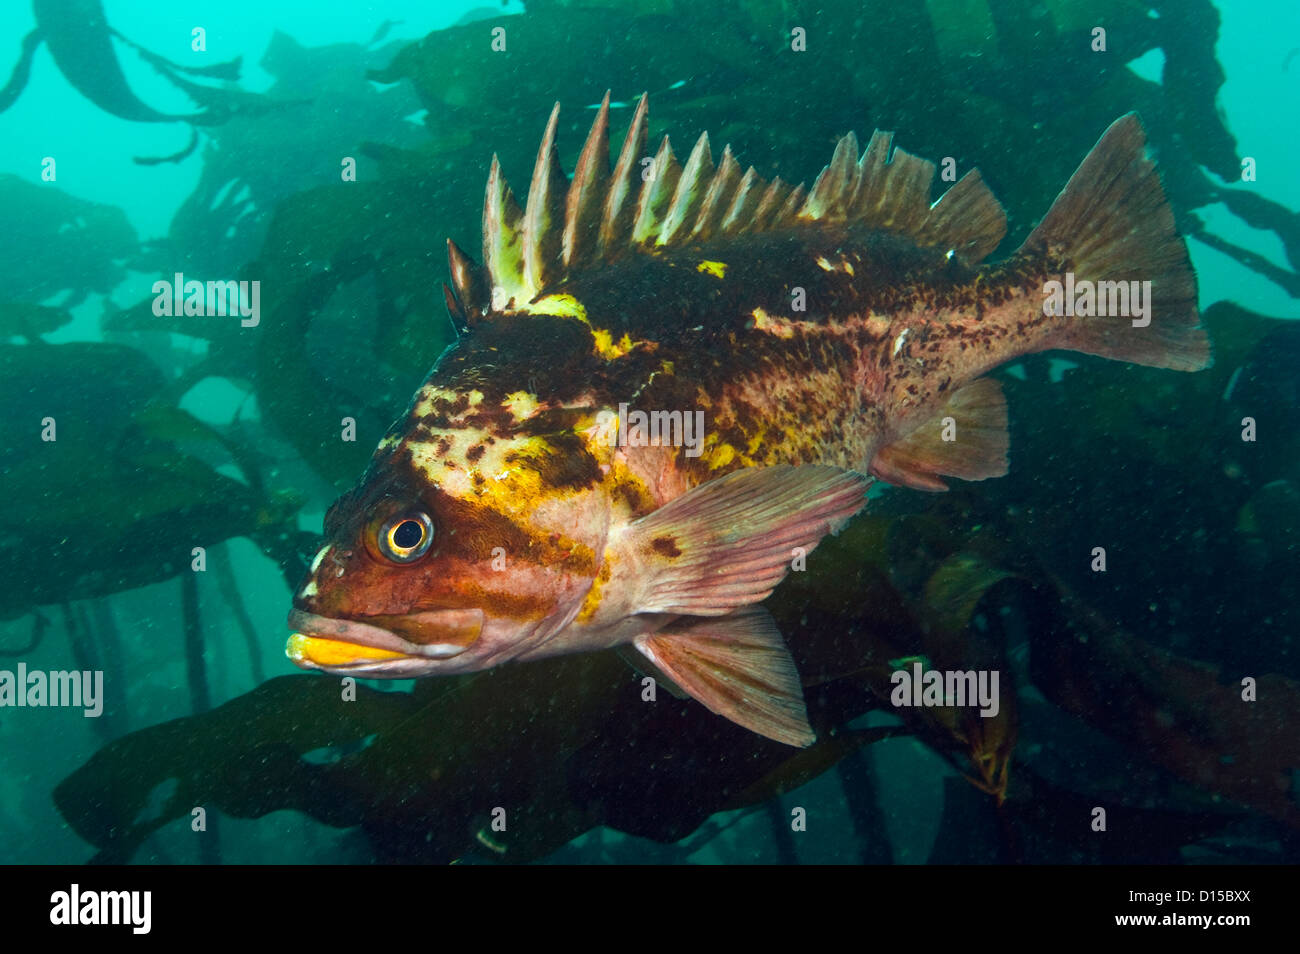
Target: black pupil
[{"x": 408, "y": 534}]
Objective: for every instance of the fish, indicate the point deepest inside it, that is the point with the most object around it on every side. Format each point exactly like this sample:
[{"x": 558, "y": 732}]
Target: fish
[{"x": 832, "y": 337}]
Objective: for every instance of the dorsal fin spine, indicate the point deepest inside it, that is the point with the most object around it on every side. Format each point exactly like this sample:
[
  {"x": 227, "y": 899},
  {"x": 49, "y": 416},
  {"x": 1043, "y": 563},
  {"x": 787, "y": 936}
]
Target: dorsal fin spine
[
  {"x": 585, "y": 202},
  {"x": 688, "y": 198},
  {"x": 620, "y": 205},
  {"x": 544, "y": 212}
]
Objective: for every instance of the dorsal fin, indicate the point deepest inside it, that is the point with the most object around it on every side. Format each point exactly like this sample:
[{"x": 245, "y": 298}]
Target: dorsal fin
[
  {"x": 656, "y": 194},
  {"x": 717, "y": 200},
  {"x": 503, "y": 245},
  {"x": 662, "y": 204},
  {"x": 696, "y": 176},
  {"x": 584, "y": 207},
  {"x": 544, "y": 214},
  {"x": 744, "y": 204},
  {"x": 620, "y": 203},
  {"x": 468, "y": 286}
]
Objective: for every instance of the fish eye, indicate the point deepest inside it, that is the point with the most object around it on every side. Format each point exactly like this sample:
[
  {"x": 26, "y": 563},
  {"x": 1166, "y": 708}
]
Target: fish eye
[{"x": 406, "y": 537}]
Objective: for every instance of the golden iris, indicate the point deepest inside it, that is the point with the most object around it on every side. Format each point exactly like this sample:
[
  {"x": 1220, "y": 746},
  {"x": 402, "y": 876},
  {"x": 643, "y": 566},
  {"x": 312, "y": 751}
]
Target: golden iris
[{"x": 406, "y": 537}]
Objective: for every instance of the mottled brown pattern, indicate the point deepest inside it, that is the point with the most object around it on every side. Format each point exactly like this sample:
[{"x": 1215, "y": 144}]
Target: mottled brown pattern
[{"x": 666, "y": 546}]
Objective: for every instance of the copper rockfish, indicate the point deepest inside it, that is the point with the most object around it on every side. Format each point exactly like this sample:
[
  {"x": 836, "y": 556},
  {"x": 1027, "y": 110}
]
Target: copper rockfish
[{"x": 538, "y": 497}]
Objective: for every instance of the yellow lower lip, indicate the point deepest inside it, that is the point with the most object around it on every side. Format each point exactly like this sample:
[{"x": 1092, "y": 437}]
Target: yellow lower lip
[{"x": 302, "y": 648}]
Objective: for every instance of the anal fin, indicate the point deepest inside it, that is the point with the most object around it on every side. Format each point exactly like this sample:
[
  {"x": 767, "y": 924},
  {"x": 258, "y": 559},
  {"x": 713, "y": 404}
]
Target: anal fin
[
  {"x": 641, "y": 664},
  {"x": 737, "y": 666},
  {"x": 976, "y": 450}
]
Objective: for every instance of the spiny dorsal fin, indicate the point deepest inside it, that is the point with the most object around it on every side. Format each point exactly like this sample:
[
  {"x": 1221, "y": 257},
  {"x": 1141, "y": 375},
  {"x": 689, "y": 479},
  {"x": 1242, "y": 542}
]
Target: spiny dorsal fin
[
  {"x": 656, "y": 194},
  {"x": 469, "y": 284},
  {"x": 745, "y": 203},
  {"x": 457, "y": 313},
  {"x": 503, "y": 249},
  {"x": 600, "y": 215},
  {"x": 833, "y": 189},
  {"x": 544, "y": 214},
  {"x": 620, "y": 204},
  {"x": 718, "y": 199},
  {"x": 585, "y": 204},
  {"x": 774, "y": 197},
  {"x": 695, "y": 179}
]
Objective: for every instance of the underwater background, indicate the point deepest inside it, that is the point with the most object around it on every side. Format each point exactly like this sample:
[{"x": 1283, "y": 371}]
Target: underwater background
[{"x": 1165, "y": 690}]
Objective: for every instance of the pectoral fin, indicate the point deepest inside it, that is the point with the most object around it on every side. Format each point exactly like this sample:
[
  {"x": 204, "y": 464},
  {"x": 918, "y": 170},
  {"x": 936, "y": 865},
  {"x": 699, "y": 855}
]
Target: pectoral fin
[
  {"x": 737, "y": 666},
  {"x": 729, "y": 542}
]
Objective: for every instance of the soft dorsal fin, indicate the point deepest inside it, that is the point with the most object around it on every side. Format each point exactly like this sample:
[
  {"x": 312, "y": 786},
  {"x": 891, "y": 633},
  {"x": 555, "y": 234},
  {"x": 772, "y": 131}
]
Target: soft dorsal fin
[{"x": 603, "y": 214}]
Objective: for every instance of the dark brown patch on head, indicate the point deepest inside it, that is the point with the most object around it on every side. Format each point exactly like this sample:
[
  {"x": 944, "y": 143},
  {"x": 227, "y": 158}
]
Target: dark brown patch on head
[
  {"x": 474, "y": 453},
  {"x": 444, "y": 445},
  {"x": 666, "y": 546},
  {"x": 471, "y": 530},
  {"x": 567, "y": 463}
]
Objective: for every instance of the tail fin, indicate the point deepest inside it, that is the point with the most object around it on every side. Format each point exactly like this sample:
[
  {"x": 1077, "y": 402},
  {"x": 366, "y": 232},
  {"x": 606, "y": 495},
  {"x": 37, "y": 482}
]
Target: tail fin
[{"x": 1112, "y": 224}]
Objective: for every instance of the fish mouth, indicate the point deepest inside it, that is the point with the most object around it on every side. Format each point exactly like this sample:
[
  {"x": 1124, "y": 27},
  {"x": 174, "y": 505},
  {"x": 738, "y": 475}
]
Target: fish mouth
[{"x": 396, "y": 644}]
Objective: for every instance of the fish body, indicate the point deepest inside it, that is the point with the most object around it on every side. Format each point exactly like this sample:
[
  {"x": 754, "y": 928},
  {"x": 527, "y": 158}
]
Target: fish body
[{"x": 668, "y": 388}]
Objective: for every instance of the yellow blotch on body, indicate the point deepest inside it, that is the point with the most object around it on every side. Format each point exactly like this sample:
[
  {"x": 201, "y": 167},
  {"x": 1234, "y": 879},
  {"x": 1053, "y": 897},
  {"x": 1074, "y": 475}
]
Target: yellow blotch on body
[
  {"x": 716, "y": 269},
  {"x": 721, "y": 456},
  {"x": 565, "y": 305},
  {"x": 591, "y": 602},
  {"x": 608, "y": 348}
]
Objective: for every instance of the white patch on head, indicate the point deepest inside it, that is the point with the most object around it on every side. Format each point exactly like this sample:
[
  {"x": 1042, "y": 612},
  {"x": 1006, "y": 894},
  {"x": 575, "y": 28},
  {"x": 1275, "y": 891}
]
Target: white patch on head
[
  {"x": 431, "y": 395},
  {"x": 309, "y": 589}
]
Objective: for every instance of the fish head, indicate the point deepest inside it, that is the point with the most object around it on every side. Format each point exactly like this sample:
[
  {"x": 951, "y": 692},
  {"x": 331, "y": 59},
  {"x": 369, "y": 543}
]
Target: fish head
[{"x": 454, "y": 554}]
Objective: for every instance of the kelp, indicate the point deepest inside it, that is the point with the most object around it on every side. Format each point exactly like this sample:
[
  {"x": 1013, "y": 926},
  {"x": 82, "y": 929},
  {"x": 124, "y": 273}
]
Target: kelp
[
  {"x": 1191, "y": 718},
  {"x": 18, "y": 320},
  {"x": 55, "y": 243},
  {"x": 223, "y": 222},
  {"x": 80, "y": 40},
  {"x": 346, "y": 269},
  {"x": 113, "y": 501},
  {"x": 948, "y": 75}
]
